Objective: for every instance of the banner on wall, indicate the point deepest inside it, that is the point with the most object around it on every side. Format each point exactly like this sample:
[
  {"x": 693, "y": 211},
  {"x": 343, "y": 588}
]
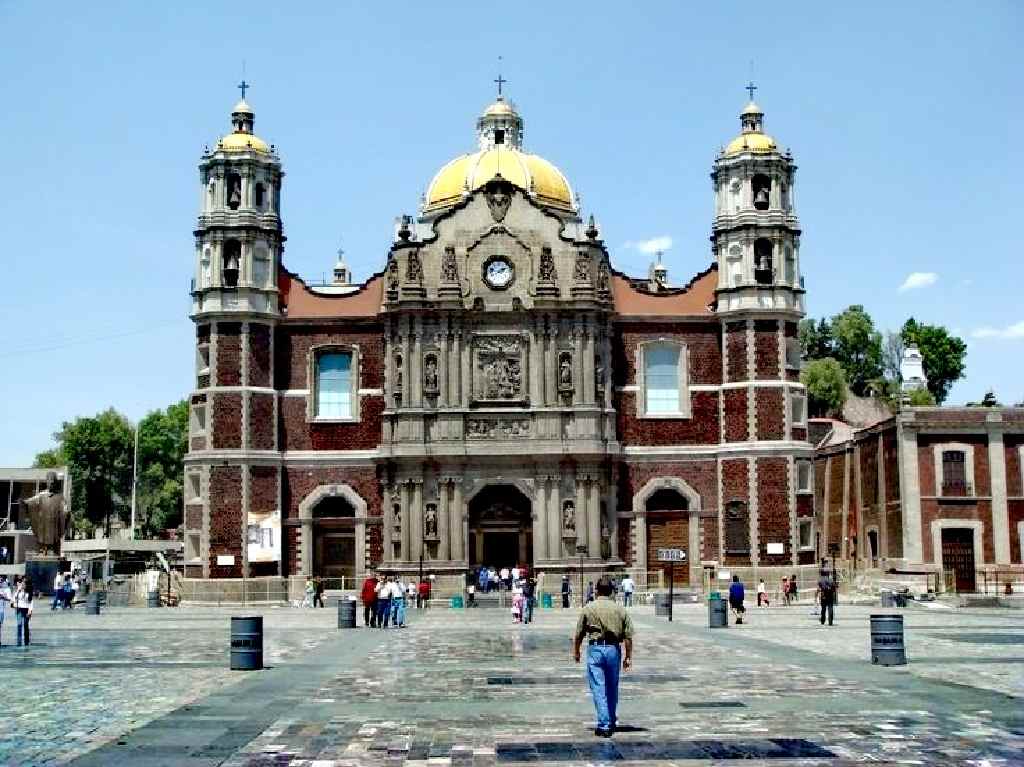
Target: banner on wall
[{"x": 264, "y": 536}]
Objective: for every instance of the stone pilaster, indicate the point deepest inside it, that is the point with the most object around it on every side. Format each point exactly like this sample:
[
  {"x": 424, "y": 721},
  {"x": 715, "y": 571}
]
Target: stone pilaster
[{"x": 1000, "y": 506}]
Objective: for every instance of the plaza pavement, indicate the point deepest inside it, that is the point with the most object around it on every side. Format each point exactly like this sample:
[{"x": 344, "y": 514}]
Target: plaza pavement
[{"x": 151, "y": 687}]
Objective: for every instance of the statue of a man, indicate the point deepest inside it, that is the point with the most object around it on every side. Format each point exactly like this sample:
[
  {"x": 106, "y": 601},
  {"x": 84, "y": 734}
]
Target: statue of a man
[
  {"x": 47, "y": 515},
  {"x": 430, "y": 521}
]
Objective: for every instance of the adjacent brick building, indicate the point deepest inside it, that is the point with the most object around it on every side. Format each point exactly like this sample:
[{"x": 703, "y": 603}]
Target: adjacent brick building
[
  {"x": 928, "y": 490},
  {"x": 498, "y": 392}
]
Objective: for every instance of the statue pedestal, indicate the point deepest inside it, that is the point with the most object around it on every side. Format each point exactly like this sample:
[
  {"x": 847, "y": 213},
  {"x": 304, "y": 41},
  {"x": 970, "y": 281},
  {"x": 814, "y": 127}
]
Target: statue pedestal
[{"x": 42, "y": 569}]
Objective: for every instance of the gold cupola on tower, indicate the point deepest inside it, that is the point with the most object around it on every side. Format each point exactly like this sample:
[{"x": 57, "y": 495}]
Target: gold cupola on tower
[{"x": 499, "y": 138}]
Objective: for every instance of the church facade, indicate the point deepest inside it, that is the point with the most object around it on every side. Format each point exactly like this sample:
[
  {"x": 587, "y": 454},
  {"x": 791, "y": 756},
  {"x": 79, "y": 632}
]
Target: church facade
[{"x": 498, "y": 392}]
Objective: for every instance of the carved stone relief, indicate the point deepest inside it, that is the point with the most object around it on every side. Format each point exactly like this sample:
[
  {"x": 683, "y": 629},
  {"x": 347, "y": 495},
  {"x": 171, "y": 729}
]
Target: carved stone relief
[
  {"x": 414, "y": 268},
  {"x": 499, "y": 197},
  {"x": 449, "y": 268},
  {"x": 497, "y": 428},
  {"x": 582, "y": 272},
  {"x": 547, "y": 272},
  {"x": 498, "y": 372},
  {"x": 393, "y": 274}
]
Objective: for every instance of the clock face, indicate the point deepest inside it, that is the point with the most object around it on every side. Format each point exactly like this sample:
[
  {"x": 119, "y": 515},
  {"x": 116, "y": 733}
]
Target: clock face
[{"x": 498, "y": 273}]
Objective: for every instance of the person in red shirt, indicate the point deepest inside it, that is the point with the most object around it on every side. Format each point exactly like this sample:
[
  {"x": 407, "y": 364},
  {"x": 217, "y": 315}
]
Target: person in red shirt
[
  {"x": 423, "y": 593},
  {"x": 369, "y": 596}
]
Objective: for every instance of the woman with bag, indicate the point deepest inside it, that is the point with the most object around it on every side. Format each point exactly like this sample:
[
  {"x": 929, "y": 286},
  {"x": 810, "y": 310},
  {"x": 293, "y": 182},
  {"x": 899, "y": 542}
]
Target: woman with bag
[{"x": 24, "y": 602}]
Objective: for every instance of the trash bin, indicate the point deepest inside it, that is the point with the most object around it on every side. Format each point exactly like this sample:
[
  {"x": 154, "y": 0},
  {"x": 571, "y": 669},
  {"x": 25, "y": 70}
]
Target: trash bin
[
  {"x": 92, "y": 603},
  {"x": 900, "y": 598},
  {"x": 887, "y": 599},
  {"x": 715, "y": 595},
  {"x": 718, "y": 615},
  {"x": 546, "y": 601},
  {"x": 347, "y": 613},
  {"x": 153, "y": 599},
  {"x": 247, "y": 643},
  {"x": 661, "y": 604},
  {"x": 456, "y": 602},
  {"x": 887, "y": 640}
]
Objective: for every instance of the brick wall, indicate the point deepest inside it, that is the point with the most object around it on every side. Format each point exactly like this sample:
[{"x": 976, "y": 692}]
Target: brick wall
[
  {"x": 736, "y": 344},
  {"x": 1016, "y": 516},
  {"x": 225, "y": 520},
  {"x": 263, "y": 489},
  {"x": 735, "y": 487},
  {"x": 226, "y": 420},
  {"x": 890, "y": 460},
  {"x": 293, "y": 344},
  {"x": 700, "y": 475},
  {"x": 229, "y": 354},
  {"x": 261, "y": 421},
  {"x": 259, "y": 355},
  {"x": 766, "y": 350},
  {"x": 773, "y": 509},
  {"x": 703, "y": 345},
  {"x": 769, "y": 409},
  {"x": 1011, "y": 444},
  {"x": 736, "y": 422},
  {"x": 299, "y": 434},
  {"x": 933, "y": 509},
  {"x": 702, "y": 428},
  {"x": 926, "y": 458}
]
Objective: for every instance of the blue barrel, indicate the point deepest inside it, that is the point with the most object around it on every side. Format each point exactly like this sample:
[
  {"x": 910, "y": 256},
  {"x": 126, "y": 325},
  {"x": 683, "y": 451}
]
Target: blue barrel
[
  {"x": 718, "y": 615},
  {"x": 887, "y": 640},
  {"x": 545, "y": 600},
  {"x": 456, "y": 602},
  {"x": 247, "y": 643}
]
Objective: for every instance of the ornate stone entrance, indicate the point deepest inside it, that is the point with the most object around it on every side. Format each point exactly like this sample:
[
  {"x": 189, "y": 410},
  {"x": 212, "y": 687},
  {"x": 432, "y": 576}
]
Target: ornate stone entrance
[
  {"x": 333, "y": 539},
  {"x": 500, "y": 527}
]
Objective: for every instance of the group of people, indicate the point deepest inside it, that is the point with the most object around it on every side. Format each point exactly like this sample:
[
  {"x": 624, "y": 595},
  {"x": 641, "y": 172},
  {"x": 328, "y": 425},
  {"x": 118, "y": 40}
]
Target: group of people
[
  {"x": 65, "y": 586},
  {"x": 625, "y": 586},
  {"x": 22, "y": 599},
  {"x": 788, "y": 589},
  {"x": 824, "y": 597},
  {"x": 385, "y": 599},
  {"x": 488, "y": 579}
]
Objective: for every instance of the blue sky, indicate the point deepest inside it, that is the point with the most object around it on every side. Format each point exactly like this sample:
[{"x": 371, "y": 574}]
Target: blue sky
[{"x": 904, "y": 118}]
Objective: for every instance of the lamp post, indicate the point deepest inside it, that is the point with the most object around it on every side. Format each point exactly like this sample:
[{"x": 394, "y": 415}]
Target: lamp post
[
  {"x": 135, "y": 477},
  {"x": 581, "y": 549}
]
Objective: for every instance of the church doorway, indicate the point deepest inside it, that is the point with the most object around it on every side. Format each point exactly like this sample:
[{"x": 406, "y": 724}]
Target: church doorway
[
  {"x": 334, "y": 538},
  {"x": 668, "y": 527},
  {"x": 958, "y": 557},
  {"x": 500, "y": 528}
]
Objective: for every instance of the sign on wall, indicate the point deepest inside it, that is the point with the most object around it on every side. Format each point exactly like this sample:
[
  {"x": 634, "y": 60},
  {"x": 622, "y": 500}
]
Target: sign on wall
[
  {"x": 263, "y": 539},
  {"x": 671, "y": 555},
  {"x": 776, "y": 548}
]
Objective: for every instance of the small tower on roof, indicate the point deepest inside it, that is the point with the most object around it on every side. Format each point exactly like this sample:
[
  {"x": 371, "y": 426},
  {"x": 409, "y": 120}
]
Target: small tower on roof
[{"x": 342, "y": 274}]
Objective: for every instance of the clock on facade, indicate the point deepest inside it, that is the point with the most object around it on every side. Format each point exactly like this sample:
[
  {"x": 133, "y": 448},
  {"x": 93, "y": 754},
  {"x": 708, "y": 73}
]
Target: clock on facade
[{"x": 498, "y": 272}]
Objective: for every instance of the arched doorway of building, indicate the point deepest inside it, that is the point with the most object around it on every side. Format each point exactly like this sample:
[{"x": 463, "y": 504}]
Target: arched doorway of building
[
  {"x": 334, "y": 538},
  {"x": 500, "y": 526},
  {"x": 668, "y": 527}
]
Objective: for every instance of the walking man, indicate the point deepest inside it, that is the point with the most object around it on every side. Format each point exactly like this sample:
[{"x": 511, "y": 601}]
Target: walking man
[
  {"x": 5, "y": 599},
  {"x": 628, "y": 587},
  {"x": 736, "y": 599},
  {"x": 383, "y": 603},
  {"x": 826, "y": 596},
  {"x": 566, "y": 591},
  {"x": 607, "y": 628}
]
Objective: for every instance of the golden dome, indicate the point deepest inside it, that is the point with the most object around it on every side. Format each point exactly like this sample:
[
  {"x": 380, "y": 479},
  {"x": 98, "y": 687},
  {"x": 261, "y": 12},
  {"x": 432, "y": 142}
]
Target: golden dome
[
  {"x": 470, "y": 172},
  {"x": 758, "y": 143},
  {"x": 243, "y": 142}
]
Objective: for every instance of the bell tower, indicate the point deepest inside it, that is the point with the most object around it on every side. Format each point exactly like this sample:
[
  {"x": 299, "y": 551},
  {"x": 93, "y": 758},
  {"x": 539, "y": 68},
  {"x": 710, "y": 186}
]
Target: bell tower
[{"x": 238, "y": 244}]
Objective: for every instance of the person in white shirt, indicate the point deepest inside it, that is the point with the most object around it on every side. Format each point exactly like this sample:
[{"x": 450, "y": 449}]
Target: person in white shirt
[
  {"x": 628, "y": 587},
  {"x": 398, "y": 590},
  {"x": 515, "y": 573},
  {"x": 504, "y": 577},
  {"x": 23, "y": 604},
  {"x": 762, "y": 594},
  {"x": 5, "y": 598},
  {"x": 58, "y": 589}
]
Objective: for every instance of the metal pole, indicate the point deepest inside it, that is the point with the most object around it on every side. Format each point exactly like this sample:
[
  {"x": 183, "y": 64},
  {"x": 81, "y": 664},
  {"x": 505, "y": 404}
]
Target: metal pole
[
  {"x": 135, "y": 477},
  {"x": 671, "y": 581}
]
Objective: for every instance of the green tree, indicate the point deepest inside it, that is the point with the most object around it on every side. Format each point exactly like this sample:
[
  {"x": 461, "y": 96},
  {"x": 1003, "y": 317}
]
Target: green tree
[
  {"x": 816, "y": 341},
  {"x": 920, "y": 398},
  {"x": 857, "y": 348},
  {"x": 163, "y": 442},
  {"x": 942, "y": 354},
  {"x": 49, "y": 459},
  {"x": 98, "y": 452},
  {"x": 826, "y": 386}
]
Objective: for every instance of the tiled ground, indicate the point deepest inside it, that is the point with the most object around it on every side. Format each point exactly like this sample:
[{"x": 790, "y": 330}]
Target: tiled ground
[{"x": 147, "y": 687}]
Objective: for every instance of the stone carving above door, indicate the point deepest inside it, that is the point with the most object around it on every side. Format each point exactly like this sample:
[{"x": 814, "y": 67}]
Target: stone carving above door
[
  {"x": 498, "y": 369},
  {"x": 497, "y": 428},
  {"x": 498, "y": 194}
]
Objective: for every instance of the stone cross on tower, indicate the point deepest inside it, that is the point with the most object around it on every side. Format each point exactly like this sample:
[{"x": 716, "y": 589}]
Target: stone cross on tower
[
  {"x": 243, "y": 87},
  {"x": 750, "y": 88}
]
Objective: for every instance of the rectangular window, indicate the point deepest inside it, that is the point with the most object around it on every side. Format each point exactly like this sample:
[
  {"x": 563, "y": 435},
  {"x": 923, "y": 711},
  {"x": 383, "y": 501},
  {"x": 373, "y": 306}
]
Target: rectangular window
[
  {"x": 334, "y": 385},
  {"x": 954, "y": 473},
  {"x": 797, "y": 404},
  {"x": 661, "y": 380},
  {"x": 193, "y": 543},
  {"x": 199, "y": 419},
  {"x": 804, "y": 531},
  {"x": 803, "y": 476},
  {"x": 193, "y": 487}
]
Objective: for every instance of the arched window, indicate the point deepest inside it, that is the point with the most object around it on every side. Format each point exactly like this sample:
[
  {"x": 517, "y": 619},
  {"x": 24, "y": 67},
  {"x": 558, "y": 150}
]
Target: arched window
[
  {"x": 664, "y": 379},
  {"x": 232, "y": 263},
  {"x": 259, "y": 195},
  {"x": 761, "y": 190},
  {"x": 764, "y": 272},
  {"x": 234, "y": 190},
  {"x": 334, "y": 385}
]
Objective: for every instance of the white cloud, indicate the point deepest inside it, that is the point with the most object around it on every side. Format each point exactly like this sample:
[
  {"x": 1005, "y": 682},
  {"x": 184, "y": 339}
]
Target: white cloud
[
  {"x": 1014, "y": 331},
  {"x": 653, "y": 245},
  {"x": 918, "y": 280}
]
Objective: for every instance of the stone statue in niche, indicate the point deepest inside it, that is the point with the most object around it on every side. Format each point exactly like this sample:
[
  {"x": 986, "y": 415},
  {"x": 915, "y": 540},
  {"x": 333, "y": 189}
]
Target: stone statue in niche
[
  {"x": 599, "y": 373},
  {"x": 546, "y": 272},
  {"x": 414, "y": 268},
  {"x": 565, "y": 372},
  {"x": 430, "y": 521},
  {"x": 430, "y": 374},
  {"x": 398, "y": 372},
  {"x": 606, "y": 542},
  {"x": 398, "y": 521},
  {"x": 569, "y": 516},
  {"x": 582, "y": 270},
  {"x": 235, "y": 191},
  {"x": 602, "y": 278},
  {"x": 393, "y": 274},
  {"x": 449, "y": 269}
]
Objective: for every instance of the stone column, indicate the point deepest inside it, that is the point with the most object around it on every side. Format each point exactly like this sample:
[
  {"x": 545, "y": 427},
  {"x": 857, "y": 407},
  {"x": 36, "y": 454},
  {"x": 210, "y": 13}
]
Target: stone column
[
  {"x": 458, "y": 522},
  {"x": 1000, "y": 510},
  {"x": 389, "y": 522},
  {"x": 581, "y": 511},
  {"x": 554, "y": 504},
  {"x": 577, "y": 360},
  {"x": 455, "y": 369},
  {"x": 406, "y": 522},
  {"x": 883, "y": 501},
  {"x": 589, "y": 385},
  {"x": 540, "y": 519},
  {"x": 444, "y": 397},
  {"x": 594, "y": 515},
  {"x": 613, "y": 518},
  {"x": 403, "y": 331},
  {"x": 416, "y": 520},
  {"x": 466, "y": 366},
  {"x": 416, "y": 374},
  {"x": 550, "y": 363},
  {"x": 910, "y": 496},
  {"x": 536, "y": 371},
  {"x": 444, "y": 544}
]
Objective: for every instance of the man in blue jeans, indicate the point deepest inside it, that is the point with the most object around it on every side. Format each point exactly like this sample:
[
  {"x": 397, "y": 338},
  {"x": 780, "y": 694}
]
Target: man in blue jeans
[{"x": 607, "y": 628}]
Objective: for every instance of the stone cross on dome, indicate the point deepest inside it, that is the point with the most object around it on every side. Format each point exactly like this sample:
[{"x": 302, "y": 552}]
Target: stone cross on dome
[
  {"x": 750, "y": 88},
  {"x": 243, "y": 87}
]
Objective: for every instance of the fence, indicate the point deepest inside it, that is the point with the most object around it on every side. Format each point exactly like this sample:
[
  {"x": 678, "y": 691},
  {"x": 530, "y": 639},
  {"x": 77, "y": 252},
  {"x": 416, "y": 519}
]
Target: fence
[{"x": 806, "y": 580}]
